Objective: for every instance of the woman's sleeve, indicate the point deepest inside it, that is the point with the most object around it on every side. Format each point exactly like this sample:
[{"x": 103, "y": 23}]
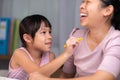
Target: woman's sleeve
[
  {"x": 69, "y": 66},
  {"x": 111, "y": 59}
]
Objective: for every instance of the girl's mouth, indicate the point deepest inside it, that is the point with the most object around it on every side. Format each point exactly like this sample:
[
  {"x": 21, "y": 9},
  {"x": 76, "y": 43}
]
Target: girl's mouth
[{"x": 48, "y": 43}]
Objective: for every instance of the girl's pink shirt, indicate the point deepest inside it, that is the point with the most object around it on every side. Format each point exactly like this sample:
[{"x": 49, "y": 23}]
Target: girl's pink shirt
[
  {"x": 19, "y": 73},
  {"x": 106, "y": 56}
]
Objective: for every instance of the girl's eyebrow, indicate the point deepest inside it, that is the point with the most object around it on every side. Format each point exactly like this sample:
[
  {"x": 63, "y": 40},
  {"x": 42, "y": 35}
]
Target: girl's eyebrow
[{"x": 42, "y": 28}]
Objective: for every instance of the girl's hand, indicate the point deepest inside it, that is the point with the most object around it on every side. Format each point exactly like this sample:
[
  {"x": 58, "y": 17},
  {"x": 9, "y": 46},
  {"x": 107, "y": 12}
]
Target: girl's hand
[{"x": 71, "y": 43}]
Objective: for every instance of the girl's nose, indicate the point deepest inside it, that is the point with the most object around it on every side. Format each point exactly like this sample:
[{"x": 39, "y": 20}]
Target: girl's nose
[{"x": 49, "y": 36}]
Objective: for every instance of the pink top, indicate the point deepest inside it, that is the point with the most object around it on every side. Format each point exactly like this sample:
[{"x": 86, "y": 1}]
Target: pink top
[
  {"x": 19, "y": 73},
  {"x": 106, "y": 56}
]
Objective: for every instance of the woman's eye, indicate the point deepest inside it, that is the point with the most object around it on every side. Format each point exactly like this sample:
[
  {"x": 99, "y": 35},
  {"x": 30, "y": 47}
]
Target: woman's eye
[
  {"x": 83, "y": 1},
  {"x": 88, "y": 2}
]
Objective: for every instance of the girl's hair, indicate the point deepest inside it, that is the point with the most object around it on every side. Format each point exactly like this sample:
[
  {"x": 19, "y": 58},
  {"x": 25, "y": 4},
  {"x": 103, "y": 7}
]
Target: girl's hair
[
  {"x": 116, "y": 15},
  {"x": 30, "y": 25}
]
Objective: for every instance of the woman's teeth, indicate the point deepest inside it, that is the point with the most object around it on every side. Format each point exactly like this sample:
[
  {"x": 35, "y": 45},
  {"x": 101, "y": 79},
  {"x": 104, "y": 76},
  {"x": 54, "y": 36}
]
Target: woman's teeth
[{"x": 83, "y": 15}]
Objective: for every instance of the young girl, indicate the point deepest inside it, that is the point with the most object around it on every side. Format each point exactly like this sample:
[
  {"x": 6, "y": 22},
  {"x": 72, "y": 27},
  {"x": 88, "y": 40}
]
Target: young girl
[{"x": 35, "y": 34}]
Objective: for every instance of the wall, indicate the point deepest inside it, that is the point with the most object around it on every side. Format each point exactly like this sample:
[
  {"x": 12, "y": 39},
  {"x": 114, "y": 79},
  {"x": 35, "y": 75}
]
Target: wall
[
  {"x": 63, "y": 15},
  {"x": 0, "y": 7}
]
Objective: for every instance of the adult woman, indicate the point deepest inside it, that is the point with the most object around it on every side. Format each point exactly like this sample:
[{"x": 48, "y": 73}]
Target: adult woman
[{"x": 94, "y": 56}]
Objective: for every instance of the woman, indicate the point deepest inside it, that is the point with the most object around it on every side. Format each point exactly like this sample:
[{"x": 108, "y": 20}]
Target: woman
[{"x": 99, "y": 51}]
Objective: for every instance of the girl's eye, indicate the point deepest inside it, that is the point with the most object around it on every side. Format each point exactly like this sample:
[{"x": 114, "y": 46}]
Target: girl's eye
[
  {"x": 43, "y": 32},
  {"x": 50, "y": 32}
]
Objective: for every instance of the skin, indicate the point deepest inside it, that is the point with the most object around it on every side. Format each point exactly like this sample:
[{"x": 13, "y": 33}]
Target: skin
[
  {"x": 41, "y": 43},
  {"x": 96, "y": 14}
]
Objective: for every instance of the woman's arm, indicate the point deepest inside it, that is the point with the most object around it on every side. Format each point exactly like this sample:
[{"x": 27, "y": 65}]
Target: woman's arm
[
  {"x": 99, "y": 75},
  {"x": 66, "y": 75},
  {"x": 105, "y": 71}
]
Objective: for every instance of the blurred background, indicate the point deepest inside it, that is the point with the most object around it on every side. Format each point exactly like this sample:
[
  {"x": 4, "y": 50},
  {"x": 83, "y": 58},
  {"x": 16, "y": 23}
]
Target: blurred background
[{"x": 63, "y": 15}]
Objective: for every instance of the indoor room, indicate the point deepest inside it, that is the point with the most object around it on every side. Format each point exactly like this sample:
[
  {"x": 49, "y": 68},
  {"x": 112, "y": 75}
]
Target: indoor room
[{"x": 83, "y": 39}]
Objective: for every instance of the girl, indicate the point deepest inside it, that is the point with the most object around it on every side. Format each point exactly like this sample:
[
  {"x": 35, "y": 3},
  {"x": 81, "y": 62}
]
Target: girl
[{"x": 36, "y": 37}]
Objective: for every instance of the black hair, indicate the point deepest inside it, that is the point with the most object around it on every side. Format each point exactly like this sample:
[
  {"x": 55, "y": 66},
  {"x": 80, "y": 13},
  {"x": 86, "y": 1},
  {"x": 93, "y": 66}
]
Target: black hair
[
  {"x": 116, "y": 15},
  {"x": 30, "y": 25}
]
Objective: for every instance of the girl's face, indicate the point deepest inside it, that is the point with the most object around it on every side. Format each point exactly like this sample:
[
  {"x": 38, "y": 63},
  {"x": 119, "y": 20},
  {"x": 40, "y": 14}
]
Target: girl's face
[
  {"x": 43, "y": 38},
  {"x": 91, "y": 12}
]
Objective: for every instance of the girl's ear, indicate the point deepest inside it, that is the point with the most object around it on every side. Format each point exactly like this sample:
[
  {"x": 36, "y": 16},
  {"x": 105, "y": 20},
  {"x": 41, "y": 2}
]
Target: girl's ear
[
  {"x": 108, "y": 10},
  {"x": 27, "y": 38}
]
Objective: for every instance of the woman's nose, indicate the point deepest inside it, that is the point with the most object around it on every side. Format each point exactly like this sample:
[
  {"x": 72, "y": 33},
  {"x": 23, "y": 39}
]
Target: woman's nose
[{"x": 82, "y": 6}]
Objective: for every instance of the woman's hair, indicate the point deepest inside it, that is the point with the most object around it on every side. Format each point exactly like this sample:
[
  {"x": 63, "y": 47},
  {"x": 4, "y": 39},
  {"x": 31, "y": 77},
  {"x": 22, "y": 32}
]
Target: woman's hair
[
  {"x": 30, "y": 25},
  {"x": 116, "y": 15}
]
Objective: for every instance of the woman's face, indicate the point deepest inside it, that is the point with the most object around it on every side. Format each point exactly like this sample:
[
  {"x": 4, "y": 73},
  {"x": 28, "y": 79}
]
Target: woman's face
[{"x": 91, "y": 13}]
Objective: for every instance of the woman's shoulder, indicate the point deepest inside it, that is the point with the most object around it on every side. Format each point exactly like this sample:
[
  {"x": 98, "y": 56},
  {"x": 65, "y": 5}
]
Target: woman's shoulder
[
  {"x": 117, "y": 32},
  {"x": 112, "y": 38},
  {"x": 114, "y": 33},
  {"x": 78, "y": 32}
]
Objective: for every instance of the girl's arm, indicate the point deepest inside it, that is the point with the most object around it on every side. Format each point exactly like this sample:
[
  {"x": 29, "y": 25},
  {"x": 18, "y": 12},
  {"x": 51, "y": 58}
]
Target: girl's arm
[{"x": 23, "y": 60}]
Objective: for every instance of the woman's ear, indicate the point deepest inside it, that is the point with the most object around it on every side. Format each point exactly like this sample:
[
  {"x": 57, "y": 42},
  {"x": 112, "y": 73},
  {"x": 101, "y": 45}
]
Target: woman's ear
[
  {"x": 108, "y": 10},
  {"x": 27, "y": 38}
]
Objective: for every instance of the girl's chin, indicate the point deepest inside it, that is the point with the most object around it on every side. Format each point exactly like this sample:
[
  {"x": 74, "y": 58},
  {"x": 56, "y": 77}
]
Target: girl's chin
[{"x": 48, "y": 50}]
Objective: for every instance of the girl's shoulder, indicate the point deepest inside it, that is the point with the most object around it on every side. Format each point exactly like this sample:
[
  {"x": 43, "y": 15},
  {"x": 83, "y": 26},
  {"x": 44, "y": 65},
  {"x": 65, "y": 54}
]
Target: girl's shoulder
[
  {"x": 20, "y": 54},
  {"x": 17, "y": 56},
  {"x": 19, "y": 51}
]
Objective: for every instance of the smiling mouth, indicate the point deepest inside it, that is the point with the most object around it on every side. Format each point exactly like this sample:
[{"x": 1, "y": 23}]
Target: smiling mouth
[
  {"x": 49, "y": 43},
  {"x": 83, "y": 15}
]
